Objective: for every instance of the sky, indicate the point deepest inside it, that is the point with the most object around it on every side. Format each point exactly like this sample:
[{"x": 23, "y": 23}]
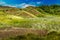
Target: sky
[{"x": 26, "y": 3}]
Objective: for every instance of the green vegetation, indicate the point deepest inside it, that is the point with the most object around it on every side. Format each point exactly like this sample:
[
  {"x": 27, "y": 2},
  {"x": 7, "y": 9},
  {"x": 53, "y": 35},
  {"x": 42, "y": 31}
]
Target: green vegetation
[
  {"x": 43, "y": 17},
  {"x": 50, "y": 36},
  {"x": 53, "y": 9}
]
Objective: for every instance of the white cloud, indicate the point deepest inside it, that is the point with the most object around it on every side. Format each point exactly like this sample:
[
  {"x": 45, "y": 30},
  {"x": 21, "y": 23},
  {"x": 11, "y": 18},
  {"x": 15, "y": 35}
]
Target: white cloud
[
  {"x": 38, "y": 2},
  {"x": 22, "y": 5},
  {"x": 5, "y": 4},
  {"x": 2, "y": 3}
]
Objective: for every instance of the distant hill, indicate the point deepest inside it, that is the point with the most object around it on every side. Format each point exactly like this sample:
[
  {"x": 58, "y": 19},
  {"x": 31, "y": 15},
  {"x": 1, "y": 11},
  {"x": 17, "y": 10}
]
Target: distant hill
[
  {"x": 53, "y": 9},
  {"x": 32, "y": 11}
]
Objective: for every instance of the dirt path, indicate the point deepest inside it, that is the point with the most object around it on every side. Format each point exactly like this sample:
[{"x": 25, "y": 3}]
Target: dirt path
[
  {"x": 30, "y": 14},
  {"x": 20, "y": 31}
]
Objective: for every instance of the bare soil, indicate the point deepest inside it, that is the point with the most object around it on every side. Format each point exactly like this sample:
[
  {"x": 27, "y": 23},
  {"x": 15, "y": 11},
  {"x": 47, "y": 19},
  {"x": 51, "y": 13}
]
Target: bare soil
[{"x": 4, "y": 33}]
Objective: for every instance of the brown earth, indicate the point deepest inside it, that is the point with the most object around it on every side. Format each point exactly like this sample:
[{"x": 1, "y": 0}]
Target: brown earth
[{"x": 20, "y": 31}]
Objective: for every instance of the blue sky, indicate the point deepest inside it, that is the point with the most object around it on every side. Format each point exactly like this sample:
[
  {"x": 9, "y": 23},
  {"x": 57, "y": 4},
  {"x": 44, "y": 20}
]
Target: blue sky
[{"x": 26, "y": 3}]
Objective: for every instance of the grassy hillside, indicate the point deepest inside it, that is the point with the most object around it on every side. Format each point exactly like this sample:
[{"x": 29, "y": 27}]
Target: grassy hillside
[
  {"x": 42, "y": 18},
  {"x": 35, "y": 17},
  {"x": 53, "y": 9}
]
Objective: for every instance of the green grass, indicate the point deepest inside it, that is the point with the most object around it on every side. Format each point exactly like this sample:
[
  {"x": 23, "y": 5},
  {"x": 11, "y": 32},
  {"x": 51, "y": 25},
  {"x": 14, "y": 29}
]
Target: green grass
[
  {"x": 50, "y": 22},
  {"x": 48, "y": 18}
]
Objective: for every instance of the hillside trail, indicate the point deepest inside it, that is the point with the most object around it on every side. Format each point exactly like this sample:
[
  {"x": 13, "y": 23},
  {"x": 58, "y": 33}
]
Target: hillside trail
[
  {"x": 34, "y": 11},
  {"x": 30, "y": 14}
]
